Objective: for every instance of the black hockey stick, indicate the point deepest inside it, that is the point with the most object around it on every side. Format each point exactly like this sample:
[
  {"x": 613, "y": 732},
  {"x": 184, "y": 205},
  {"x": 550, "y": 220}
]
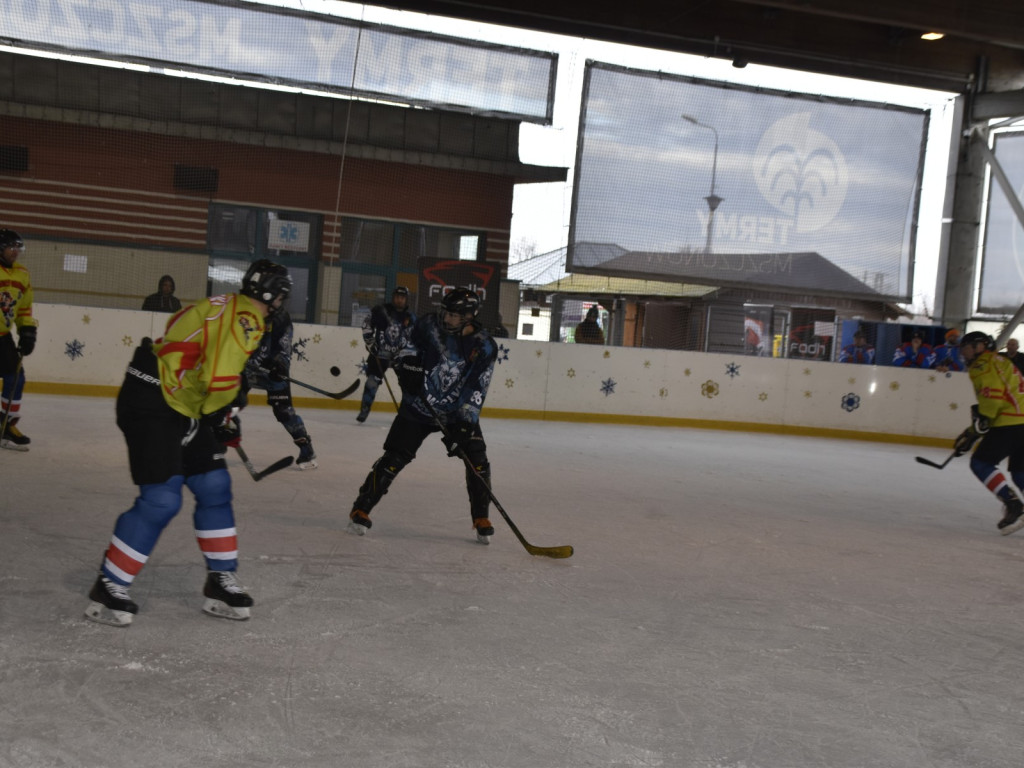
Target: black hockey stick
[
  {"x": 556, "y": 552},
  {"x": 336, "y": 395},
  {"x": 258, "y": 475},
  {"x": 929, "y": 463}
]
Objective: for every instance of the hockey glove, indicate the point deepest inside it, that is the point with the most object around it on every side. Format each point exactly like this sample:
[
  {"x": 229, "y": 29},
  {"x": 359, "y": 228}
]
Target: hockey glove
[
  {"x": 965, "y": 441},
  {"x": 979, "y": 422},
  {"x": 457, "y": 438},
  {"x": 229, "y": 434},
  {"x": 410, "y": 374},
  {"x": 277, "y": 370},
  {"x": 26, "y": 340}
]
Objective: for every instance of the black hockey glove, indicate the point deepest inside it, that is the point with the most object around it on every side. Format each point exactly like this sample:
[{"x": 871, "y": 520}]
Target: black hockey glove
[
  {"x": 457, "y": 438},
  {"x": 979, "y": 422},
  {"x": 227, "y": 429},
  {"x": 965, "y": 441},
  {"x": 410, "y": 374},
  {"x": 26, "y": 340},
  {"x": 277, "y": 370}
]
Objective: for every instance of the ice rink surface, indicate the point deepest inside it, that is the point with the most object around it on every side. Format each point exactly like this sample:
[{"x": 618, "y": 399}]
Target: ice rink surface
[{"x": 735, "y": 601}]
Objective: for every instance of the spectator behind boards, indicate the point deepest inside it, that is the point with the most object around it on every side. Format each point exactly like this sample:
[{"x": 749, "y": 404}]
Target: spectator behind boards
[
  {"x": 914, "y": 354},
  {"x": 164, "y": 299},
  {"x": 859, "y": 352},
  {"x": 588, "y": 331}
]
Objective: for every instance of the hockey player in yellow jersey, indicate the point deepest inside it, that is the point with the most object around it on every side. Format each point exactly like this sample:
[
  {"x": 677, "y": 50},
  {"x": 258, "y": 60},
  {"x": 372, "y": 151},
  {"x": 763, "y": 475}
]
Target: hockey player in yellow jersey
[
  {"x": 175, "y": 410},
  {"x": 998, "y": 422},
  {"x": 15, "y": 312}
]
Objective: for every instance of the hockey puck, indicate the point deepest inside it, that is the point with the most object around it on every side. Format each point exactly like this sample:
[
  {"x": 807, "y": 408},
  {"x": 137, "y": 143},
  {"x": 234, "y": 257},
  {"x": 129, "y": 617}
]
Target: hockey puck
[{"x": 335, "y": 370}]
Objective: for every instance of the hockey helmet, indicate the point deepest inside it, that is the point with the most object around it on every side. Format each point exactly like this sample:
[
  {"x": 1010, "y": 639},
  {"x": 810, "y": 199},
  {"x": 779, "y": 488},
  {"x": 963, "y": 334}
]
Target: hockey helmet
[
  {"x": 975, "y": 337},
  {"x": 9, "y": 239},
  {"x": 462, "y": 302},
  {"x": 265, "y": 281}
]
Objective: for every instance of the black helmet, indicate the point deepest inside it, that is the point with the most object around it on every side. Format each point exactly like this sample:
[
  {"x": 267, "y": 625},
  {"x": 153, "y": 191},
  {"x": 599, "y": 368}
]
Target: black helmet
[
  {"x": 972, "y": 338},
  {"x": 462, "y": 301},
  {"x": 9, "y": 238},
  {"x": 265, "y": 281}
]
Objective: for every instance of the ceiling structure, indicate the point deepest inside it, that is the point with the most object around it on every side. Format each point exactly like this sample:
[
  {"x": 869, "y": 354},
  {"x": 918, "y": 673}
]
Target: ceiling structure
[{"x": 982, "y": 51}]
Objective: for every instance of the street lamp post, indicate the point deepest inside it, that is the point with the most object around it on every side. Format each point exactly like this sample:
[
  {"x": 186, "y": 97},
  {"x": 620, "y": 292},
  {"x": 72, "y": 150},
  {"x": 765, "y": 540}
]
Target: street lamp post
[{"x": 713, "y": 200}]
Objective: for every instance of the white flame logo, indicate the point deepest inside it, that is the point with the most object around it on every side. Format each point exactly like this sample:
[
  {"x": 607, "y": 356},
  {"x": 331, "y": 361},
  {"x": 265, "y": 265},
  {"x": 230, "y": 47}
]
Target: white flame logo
[{"x": 801, "y": 172}]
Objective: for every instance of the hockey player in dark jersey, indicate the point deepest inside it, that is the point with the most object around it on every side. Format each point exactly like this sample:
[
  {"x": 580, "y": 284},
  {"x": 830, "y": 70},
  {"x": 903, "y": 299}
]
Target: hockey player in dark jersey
[
  {"x": 175, "y": 409},
  {"x": 385, "y": 331},
  {"x": 268, "y": 369},
  {"x": 444, "y": 371}
]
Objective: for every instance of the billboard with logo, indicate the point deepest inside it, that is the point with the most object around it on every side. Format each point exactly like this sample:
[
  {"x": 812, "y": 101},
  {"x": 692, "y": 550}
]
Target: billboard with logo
[
  {"x": 726, "y": 185},
  {"x": 439, "y": 276}
]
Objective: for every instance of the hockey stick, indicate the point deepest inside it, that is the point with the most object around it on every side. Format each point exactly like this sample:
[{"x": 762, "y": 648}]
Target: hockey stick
[
  {"x": 929, "y": 463},
  {"x": 556, "y": 552},
  {"x": 336, "y": 395},
  {"x": 258, "y": 475}
]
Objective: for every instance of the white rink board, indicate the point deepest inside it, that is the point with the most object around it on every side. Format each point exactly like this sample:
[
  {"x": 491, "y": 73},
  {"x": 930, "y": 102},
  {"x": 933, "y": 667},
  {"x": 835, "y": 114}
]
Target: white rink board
[{"x": 90, "y": 346}]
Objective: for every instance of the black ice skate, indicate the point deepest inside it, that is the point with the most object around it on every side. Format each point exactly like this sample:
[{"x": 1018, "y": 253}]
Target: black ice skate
[
  {"x": 1013, "y": 520},
  {"x": 360, "y": 522},
  {"x": 110, "y": 603},
  {"x": 13, "y": 440},
  {"x": 363, "y": 413},
  {"x": 484, "y": 529},
  {"x": 225, "y": 597},
  {"x": 307, "y": 456}
]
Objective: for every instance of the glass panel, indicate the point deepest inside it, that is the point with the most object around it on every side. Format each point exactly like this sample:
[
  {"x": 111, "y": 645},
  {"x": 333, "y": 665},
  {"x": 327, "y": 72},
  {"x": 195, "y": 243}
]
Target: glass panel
[
  {"x": 367, "y": 242},
  {"x": 359, "y": 294},
  {"x": 232, "y": 228}
]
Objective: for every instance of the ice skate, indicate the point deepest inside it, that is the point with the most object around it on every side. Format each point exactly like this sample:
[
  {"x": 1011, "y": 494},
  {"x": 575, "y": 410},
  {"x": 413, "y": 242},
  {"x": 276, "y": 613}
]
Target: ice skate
[
  {"x": 225, "y": 597},
  {"x": 307, "y": 456},
  {"x": 110, "y": 604},
  {"x": 363, "y": 413},
  {"x": 13, "y": 440},
  {"x": 1013, "y": 520},
  {"x": 484, "y": 530},
  {"x": 359, "y": 523}
]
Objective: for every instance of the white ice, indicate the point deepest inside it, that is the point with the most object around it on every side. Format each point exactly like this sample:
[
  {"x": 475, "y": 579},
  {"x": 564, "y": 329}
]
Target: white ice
[{"x": 735, "y": 601}]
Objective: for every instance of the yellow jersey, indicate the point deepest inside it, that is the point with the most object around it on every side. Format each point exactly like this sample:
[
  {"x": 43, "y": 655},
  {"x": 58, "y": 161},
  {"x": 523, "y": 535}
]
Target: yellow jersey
[
  {"x": 15, "y": 298},
  {"x": 203, "y": 351},
  {"x": 999, "y": 387}
]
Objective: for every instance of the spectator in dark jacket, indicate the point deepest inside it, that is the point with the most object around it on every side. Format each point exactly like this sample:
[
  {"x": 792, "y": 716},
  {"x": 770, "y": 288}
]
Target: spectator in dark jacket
[{"x": 164, "y": 299}]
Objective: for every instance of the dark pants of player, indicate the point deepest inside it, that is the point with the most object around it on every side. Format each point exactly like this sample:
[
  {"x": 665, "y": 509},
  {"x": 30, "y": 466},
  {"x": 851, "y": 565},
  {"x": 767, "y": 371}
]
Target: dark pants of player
[
  {"x": 404, "y": 439},
  {"x": 279, "y": 398},
  {"x": 375, "y": 369},
  {"x": 998, "y": 444},
  {"x": 14, "y": 385},
  {"x": 160, "y": 465}
]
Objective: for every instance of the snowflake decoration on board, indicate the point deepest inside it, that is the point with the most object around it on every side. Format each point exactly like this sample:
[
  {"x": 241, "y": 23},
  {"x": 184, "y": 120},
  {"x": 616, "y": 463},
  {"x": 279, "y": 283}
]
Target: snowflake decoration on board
[
  {"x": 127, "y": 341},
  {"x": 894, "y": 386},
  {"x": 607, "y": 354},
  {"x": 763, "y": 396},
  {"x": 647, "y": 363},
  {"x": 807, "y": 371},
  {"x": 354, "y": 343},
  {"x": 73, "y": 349},
  {"x": 539, "y": 352},
  {"x": 86, "y": 319},
  {"x": 502, "y": 353},
  {"x": 931, "y": 377},
  {"x": 807, "y": 393},
  {"x": 608, "y": 387},
  {"x": 299, "y": 350},
  {"x": 709, "y": 388},
  {"x": 509, "y": 383},
  {"x": 663, "y": 393},
  {"x": 317, "y": 338},
  {"x": 851, "y": 381},
  {"x": 732, "y": 370},
  {"x": 686, "y": 372},
  {"x": 571, "y": 373},
  {"x": 850, "y": 402},
  {"x": 953, "y": 406}
]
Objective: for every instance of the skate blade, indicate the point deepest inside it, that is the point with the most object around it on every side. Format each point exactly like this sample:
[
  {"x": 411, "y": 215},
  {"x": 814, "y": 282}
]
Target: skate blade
[
  {"x": 102, "y": 615},
  {"x": 1013, "y": 528},
  {"x": 222, "y": 610},
  {"x": 13, "y": 446},
  {"x": 308, "y": 464},
  {"x": 356, "y": 529}
]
